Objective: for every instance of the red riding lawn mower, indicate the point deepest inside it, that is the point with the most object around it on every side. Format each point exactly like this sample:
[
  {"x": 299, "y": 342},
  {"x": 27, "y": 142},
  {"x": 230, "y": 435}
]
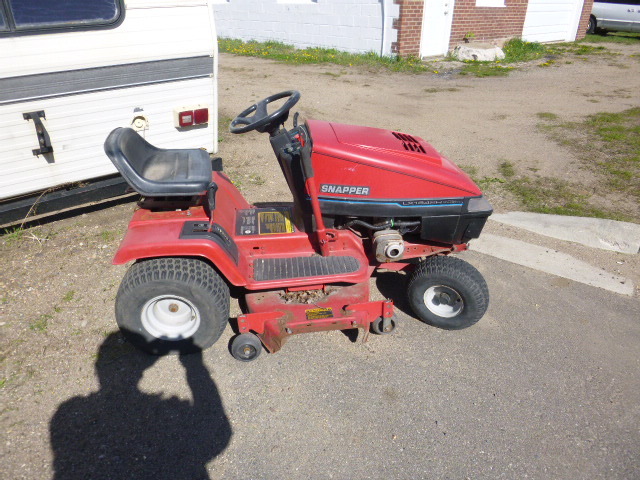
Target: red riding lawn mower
[{"x": 364, "y": 199}]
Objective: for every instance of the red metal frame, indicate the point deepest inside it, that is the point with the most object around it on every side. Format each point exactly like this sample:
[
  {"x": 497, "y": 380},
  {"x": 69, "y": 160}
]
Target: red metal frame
[{"x": 273, "y": 320}]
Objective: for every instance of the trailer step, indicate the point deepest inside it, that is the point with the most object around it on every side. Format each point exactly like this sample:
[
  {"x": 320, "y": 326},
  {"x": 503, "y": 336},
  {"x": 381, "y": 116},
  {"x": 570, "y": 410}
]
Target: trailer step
[{"x": 299, "y": 267}]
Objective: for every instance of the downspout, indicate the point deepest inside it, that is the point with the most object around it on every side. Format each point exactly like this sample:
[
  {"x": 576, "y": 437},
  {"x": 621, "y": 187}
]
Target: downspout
[{"x": 384, "y": 26}]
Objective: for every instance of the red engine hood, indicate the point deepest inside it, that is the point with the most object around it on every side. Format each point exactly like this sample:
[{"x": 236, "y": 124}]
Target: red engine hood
[{"x": 388, "y": 150}]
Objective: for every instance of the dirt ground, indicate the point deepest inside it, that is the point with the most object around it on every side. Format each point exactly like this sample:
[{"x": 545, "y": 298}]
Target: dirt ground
[{"x": 57, "y": 284}]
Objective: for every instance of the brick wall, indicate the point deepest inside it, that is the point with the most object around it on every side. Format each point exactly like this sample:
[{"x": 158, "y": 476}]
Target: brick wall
[
  {"x": 409, "y": 27},
  {"x": 487, "y": 24},
  {"x": 584, "y": 19}
]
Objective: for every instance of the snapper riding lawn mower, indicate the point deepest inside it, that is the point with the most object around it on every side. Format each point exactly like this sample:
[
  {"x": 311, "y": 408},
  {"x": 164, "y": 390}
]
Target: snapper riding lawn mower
[{"x": 364, "y": 199}]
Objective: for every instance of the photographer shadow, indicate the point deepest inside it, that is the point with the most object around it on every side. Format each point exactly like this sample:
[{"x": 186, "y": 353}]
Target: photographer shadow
[{"x": 120, "y": 432}]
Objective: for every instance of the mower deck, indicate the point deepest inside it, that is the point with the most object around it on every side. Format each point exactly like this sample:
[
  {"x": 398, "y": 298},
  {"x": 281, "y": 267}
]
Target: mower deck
[{"x": 277, "y": 314}]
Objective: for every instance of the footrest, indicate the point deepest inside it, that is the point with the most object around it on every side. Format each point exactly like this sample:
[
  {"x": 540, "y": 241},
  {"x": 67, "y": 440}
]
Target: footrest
[{"x": 299, "y": 267}]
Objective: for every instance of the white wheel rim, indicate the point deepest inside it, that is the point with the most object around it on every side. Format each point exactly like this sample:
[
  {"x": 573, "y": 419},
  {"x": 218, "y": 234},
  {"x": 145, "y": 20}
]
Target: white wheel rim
[
  {"x": 443, "y": 301},
  {"x": 170, "y": 317}
]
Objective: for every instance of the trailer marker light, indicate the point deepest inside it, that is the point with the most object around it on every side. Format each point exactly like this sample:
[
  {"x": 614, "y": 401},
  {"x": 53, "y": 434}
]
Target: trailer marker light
[
  {"x": 200, "y": 116},
  {"x": 185, "y": 119},
  {"x": 191, "y": 115}
]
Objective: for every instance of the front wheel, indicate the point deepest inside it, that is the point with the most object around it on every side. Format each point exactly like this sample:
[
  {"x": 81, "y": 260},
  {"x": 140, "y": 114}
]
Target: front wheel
[
  {"x": 591, "y": 27},
  {"x": 172, "y": 305},
  {"x": 447, "y": 292}
]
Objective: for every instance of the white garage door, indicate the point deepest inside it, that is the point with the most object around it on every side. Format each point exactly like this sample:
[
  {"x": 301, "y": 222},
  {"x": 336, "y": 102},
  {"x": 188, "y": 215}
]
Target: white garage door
[{"x": 552, "y": 20}]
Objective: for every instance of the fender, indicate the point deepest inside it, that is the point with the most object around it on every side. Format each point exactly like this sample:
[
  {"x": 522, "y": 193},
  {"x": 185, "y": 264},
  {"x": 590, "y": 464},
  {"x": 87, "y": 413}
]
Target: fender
[{"x": 166, "y": 239}]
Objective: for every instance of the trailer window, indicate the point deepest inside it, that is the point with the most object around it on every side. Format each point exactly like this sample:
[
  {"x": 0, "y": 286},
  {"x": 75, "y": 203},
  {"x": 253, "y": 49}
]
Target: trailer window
[{"x": 29, "y": 15}]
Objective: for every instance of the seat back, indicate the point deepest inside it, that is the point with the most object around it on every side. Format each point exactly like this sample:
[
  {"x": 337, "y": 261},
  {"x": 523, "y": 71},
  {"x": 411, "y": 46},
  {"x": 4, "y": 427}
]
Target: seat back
[{"x": 156, "y": 172}]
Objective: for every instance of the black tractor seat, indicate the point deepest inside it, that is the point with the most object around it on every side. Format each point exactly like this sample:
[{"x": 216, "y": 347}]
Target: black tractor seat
[{"x": 157, "y": 172}]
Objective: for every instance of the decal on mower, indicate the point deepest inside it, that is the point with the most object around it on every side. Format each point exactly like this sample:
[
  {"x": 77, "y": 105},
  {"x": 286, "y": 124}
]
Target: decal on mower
[
  {"x": 264, "y": 221},
  {"x": 318, "y": 313},
  {"x": 345, "y": 189}
]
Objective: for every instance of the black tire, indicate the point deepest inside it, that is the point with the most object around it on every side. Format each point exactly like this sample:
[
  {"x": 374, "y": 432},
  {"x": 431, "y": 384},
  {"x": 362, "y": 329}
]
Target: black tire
[
  {"x": 591, "y": 27},
  {"x": 376, "y": 326},
  {"x": 156, "y": 295},
  {"x": 447, "y": 292},
  {"x": 246, "y": 347}
]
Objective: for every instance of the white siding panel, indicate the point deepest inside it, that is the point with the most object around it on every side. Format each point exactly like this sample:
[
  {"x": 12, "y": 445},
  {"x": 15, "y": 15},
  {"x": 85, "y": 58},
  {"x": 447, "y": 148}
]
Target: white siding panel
[
  {"x": 552, "y": 20},
  {"x": 147, "y": 34},
  {"x": 79, "y": 125}
]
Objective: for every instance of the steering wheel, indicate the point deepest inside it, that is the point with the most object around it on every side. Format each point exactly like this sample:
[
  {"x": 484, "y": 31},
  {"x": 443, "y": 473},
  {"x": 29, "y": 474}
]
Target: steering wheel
[{"x": 262, "y": 120}]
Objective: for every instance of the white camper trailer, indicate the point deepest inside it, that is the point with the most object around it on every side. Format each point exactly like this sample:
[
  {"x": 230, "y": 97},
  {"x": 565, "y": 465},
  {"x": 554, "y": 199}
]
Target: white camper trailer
[{"x": 73, "y": 70}]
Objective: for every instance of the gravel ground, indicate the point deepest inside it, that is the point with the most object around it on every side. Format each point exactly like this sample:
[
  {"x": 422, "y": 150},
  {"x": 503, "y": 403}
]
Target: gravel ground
[{"x": 545, "y": 386}]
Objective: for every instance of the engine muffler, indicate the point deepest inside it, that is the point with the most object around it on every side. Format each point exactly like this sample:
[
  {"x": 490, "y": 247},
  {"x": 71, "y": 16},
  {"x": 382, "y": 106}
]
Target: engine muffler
[{"x": 388, "y": 245}]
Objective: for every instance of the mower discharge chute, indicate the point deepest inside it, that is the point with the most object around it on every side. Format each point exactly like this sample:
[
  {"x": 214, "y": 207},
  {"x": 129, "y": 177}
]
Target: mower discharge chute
[{"x": 364, "y": 199}]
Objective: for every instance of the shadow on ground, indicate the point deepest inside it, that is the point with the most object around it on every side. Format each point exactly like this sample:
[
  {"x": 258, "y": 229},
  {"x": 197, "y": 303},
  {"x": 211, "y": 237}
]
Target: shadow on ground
[
  {"x": 120, "y": 432},
  {"x": 393, "y": 285}
]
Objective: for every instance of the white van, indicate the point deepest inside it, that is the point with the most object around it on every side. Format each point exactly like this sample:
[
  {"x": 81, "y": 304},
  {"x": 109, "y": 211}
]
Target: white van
[
  {"x": 71, "y": 71},
  {"x": 615, "y": 16}
]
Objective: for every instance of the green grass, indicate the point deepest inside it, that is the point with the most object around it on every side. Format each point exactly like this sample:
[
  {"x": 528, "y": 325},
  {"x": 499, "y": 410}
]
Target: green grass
[
  {"x": 546, "y": 116},
  {"x": 107, "y": 236},
  {"x": 609, "y": 144},
  {"x": 517, "y": 50},
  {"x": 507, "y": 169},
  {"x": 576, "y": 48},
  {"x": 41, "y": 323},
  {"x": 613, "y": 37},
  {"x": 69, "y": 296},
  {"x": 555, "y": 196},
  {"x": 485, "y": 69},
  {"x": 12, "y": 235},
  {"x": 289, "y": 54},
  {"x": 438, "y": 90}
]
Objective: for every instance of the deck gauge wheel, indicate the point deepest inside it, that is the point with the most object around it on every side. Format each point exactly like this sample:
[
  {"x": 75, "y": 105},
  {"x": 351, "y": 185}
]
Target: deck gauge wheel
[
  {"x": 378, "y": 327},
  {"x": 246, "y": 347}
]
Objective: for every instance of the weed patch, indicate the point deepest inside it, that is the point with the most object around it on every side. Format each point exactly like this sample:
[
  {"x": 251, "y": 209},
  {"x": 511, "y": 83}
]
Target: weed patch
[
  {"x": 13, "y": 236},
  {"x": 485, "y": 69},
  {"x": 107, "y": 236},
  {"x": 69, "y": 296},
  {"x": 41, "y": 323},
  {"x": 289, "y": 54},
  {"x": 518, "y": 50},
  {"x": 546, "y": 116},
  {"x": 609, "y": 144},
  {"x": 507, "y": 169}
]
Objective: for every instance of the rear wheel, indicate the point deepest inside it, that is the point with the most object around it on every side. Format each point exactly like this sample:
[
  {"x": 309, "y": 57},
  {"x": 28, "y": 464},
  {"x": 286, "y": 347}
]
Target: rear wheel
[
  {"x": 447, "y": 292},
  {"x": 172, "y": 305},
  {"x": 591, "y": 27}
]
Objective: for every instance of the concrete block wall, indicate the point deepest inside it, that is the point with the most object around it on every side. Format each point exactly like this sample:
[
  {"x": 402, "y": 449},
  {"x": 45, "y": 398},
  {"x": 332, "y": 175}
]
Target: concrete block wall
[{"x": 349, "y": 25}]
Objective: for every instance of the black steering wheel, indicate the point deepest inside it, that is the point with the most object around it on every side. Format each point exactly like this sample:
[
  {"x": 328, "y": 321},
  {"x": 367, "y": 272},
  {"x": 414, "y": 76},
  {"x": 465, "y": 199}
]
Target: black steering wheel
[{"x": 262, "y": 120}]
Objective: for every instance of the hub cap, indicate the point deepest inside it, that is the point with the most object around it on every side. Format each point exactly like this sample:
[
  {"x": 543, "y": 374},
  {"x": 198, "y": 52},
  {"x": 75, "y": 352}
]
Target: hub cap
[
  {"x": 443, "y": 301},
  {"x": 170, "y": 317}
]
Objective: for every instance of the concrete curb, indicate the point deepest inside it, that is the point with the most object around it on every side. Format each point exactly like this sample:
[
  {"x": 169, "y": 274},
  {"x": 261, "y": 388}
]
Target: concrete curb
[
  {"x": 593, "y": 232},
  {"x": 550, "y": 261}
]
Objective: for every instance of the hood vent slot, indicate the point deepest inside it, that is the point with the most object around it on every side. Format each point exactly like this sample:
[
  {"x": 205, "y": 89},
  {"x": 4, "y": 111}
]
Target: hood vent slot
[{"x": 409, "y": 143}]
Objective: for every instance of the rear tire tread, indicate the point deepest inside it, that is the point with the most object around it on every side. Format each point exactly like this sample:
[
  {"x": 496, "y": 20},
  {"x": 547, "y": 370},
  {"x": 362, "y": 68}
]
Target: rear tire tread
[{"x": 186, "y": 272}]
